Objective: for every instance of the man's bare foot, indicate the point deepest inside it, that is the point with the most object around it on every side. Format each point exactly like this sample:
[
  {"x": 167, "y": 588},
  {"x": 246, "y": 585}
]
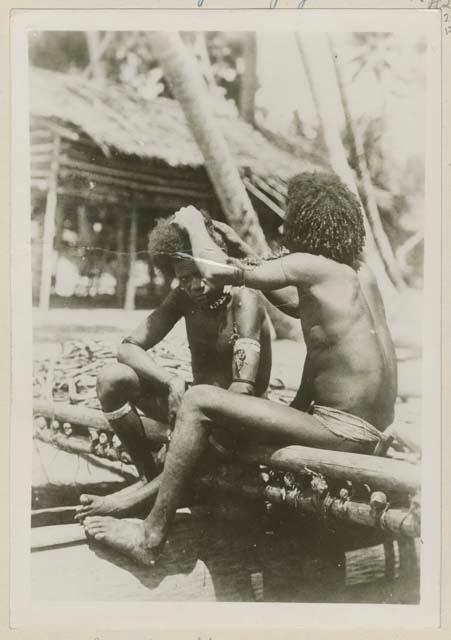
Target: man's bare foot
[
  {"x": 114, "y": 504},
  {"x": 127, "y": 536},
  {"x": 99, "y": 506}
]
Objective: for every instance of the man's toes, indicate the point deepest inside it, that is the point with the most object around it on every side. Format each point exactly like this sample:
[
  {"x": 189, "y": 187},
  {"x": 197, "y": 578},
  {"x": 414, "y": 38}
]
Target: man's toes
[
  {"x": 99, "y": 535},
  {"x": 85, "y": 499}
]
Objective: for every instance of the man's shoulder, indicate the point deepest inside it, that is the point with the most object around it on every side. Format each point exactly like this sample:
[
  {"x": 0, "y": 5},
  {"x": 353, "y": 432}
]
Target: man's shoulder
[{"x": 177, "y": 299}]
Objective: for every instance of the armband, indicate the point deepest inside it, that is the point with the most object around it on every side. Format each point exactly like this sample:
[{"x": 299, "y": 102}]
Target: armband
[
  {"x": 247, "y": 344},
  {"x": 118, "y": 413}
]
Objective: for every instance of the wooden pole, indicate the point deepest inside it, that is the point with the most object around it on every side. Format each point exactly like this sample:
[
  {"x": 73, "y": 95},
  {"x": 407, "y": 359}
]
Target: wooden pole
[
  {"x": 49, "y": 228},
  {"x": 131, "y": 287},
  {"x": 398, "y": 522},
  {"x": 379, "y": 473},
  {"x": 120, "y": 247},
  {"x": 92, "y": 418}
]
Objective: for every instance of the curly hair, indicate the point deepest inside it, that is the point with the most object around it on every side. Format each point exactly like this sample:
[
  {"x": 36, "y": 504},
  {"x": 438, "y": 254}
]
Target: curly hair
[
  {"x": 166, "y": 240},
  {"x": 323, "y": 218}
]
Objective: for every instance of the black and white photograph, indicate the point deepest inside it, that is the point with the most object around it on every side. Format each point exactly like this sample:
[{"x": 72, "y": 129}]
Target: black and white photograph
[{"x": 227, "y": 336}]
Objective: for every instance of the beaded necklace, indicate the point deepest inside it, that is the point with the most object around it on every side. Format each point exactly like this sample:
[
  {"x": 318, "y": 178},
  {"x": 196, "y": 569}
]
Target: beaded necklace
[{"x": 222, "y": 301}]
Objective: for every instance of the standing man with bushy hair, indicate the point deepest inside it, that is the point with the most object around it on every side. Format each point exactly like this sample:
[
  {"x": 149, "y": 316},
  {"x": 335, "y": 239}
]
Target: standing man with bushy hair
[{"x": 230, "y": 343}]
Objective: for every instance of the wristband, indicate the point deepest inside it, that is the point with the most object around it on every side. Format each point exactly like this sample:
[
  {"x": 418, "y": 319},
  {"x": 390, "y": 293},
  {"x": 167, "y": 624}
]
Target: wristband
[{"x": 239, "y": 277}]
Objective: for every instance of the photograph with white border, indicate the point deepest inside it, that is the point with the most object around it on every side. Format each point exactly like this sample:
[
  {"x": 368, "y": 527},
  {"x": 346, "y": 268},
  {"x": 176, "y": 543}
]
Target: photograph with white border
[{"x": 226, "y": 365}]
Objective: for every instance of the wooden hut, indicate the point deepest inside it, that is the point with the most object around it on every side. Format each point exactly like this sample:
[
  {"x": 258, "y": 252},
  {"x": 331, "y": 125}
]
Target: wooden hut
[{"x": 106, "y": 164}]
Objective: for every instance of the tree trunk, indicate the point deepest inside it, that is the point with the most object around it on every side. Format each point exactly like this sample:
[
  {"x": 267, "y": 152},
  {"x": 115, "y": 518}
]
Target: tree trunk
[
  {"x": 369, "y": 196},
  {"x": 185, "y": 81},
  {"x": 324, "y": 85},
  {"x": 249, "y": 80}
]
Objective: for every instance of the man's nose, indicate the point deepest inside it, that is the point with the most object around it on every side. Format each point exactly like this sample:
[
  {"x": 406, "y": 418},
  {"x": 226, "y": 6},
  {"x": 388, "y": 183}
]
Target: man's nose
[{"x": 197, "y": 284}]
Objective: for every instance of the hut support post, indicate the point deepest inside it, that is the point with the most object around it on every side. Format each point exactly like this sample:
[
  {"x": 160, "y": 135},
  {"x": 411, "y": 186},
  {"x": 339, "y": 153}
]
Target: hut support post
[
  {"x": 49, "y": 228},
  {"x": 131, "y": 287},
  {"x": 122, "y": 269}
]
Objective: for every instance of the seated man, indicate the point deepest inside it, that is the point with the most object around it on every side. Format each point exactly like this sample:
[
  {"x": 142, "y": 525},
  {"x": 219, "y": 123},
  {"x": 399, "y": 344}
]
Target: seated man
[
  {"x": 229, "y": 338},
  {"x": 348, "y": 389}
]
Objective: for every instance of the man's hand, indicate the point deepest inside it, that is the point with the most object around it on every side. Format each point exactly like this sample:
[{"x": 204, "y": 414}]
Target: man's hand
[
  {"x": 177, "y": 388},
  {"x": 187, "y": 217},
  {"x": 244, "y": 388},
  {"x": 233, "y": 241}
]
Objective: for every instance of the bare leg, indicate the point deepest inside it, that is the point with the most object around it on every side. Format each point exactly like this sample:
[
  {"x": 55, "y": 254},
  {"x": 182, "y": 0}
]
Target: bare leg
[
  {"x": 250, "y": 418},
  {"x": 118, "y": 384}
]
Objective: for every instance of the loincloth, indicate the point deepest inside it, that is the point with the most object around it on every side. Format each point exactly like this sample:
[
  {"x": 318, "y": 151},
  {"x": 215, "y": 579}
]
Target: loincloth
[{"x": 350, "y": 427}]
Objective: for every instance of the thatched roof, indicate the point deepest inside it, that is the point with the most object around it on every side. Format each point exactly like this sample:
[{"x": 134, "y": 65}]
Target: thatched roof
[{"x": 116, "y": 119}]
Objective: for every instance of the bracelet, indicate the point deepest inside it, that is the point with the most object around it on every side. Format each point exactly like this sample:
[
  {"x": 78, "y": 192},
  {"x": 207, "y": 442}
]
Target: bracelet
[
  {"x": 239, "y": 277},
  {"x": 251, "y": 382}
]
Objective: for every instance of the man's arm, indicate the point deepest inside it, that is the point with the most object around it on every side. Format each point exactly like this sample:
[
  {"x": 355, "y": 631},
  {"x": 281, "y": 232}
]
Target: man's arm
[
  {"x": 133, "y": 350},
  {"x": 294, "y": 269},
  {"x": 248, "y": 315},
  {"x": 286, "y": 299}
]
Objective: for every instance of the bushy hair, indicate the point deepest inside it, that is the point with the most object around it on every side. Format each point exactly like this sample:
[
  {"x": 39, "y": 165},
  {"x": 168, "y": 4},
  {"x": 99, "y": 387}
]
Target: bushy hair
[
  {"x": 323, "y": 218},
  {"x": 166, "y": 240}
]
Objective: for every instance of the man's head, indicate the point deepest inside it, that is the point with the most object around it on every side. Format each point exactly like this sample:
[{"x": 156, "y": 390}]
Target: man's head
[
  {"x": 166, "y": 241},
  {"x": 323, "y": 218}
]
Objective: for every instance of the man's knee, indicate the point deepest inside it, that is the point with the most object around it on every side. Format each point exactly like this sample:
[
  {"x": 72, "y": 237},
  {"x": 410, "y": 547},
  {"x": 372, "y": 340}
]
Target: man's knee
[
  {"x": 196, "y": 398},
  {"x": 117, "y": 379}
]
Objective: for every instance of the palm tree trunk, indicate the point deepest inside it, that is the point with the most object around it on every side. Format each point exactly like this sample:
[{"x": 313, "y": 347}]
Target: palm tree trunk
[
  {"x": 369, "y": 196},
  {"x": 327, "y": 98},
  {"x": 188, "y": 88},
  {"x": 249, "y": 80}
]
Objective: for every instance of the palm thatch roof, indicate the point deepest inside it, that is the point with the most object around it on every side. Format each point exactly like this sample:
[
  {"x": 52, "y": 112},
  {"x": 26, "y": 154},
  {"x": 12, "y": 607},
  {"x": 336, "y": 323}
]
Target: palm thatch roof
[{"x": 122, "y": 122}]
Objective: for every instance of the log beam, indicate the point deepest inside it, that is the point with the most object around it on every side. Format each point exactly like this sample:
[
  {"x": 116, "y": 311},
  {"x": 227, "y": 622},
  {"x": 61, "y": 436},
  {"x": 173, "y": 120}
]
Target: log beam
[
  {"x": 397, "y": 522},
  {"x": 379, "y": 473},
  {"x": 92, "y": 418}
]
